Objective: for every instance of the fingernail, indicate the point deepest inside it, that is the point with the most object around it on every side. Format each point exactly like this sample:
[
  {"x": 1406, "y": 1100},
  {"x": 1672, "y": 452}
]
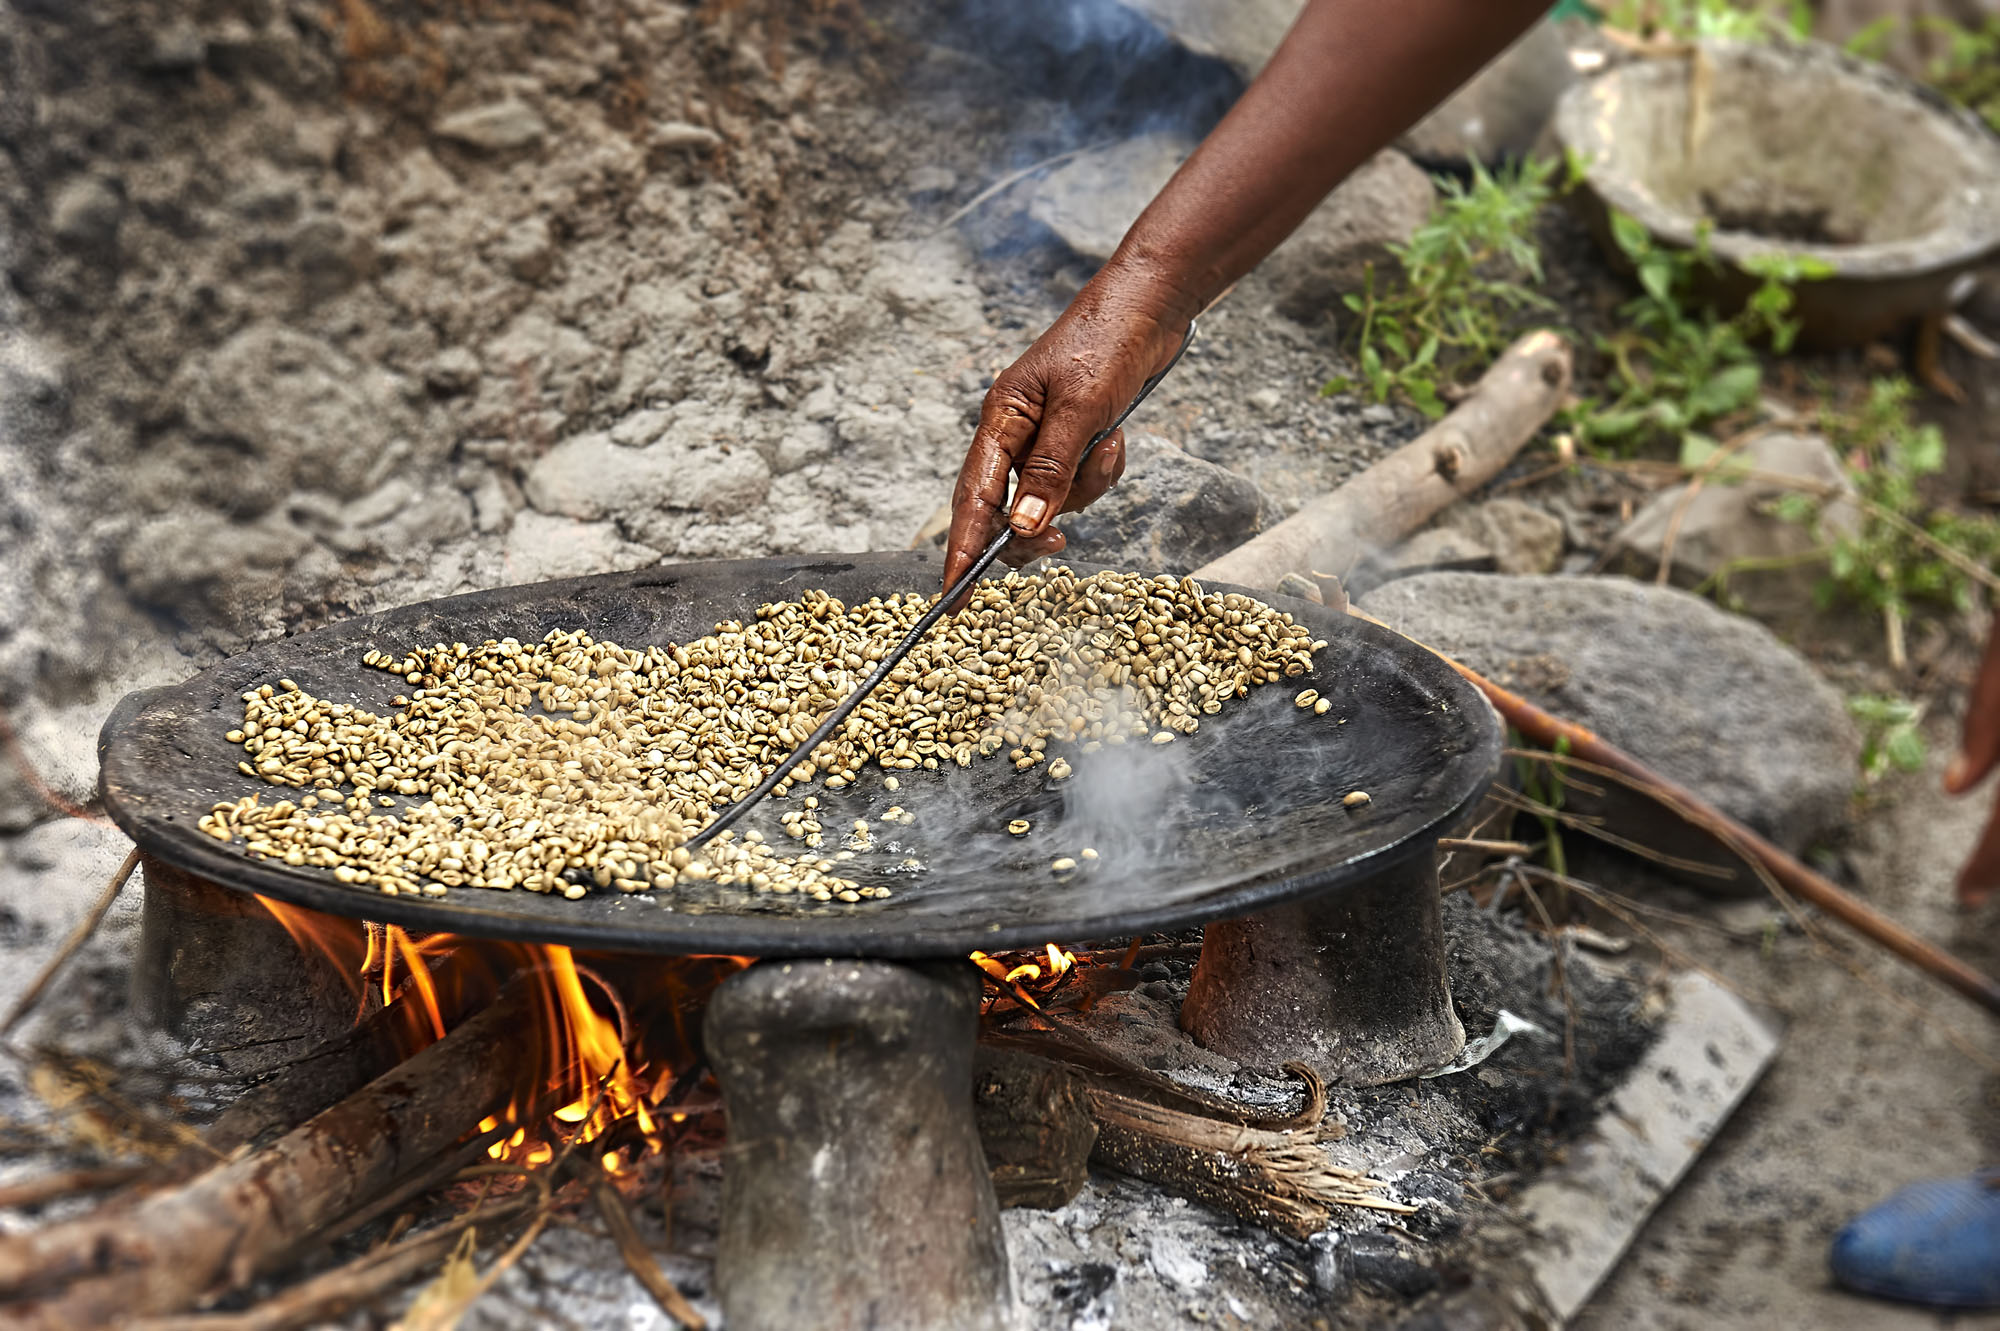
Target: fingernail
[
  {"x": 1956, "y": 771},
  {"x": 1028, "y": 514}
]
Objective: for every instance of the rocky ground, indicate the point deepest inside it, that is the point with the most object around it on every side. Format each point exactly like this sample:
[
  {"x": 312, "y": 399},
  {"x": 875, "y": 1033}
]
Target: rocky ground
[{"x": 315, "y": 308}]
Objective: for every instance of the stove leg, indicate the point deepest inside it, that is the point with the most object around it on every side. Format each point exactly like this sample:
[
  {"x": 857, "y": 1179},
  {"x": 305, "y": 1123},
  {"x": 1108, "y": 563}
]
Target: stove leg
[
  {"x": 854, "y": 1192},
  {"x": 1351, "y": 983},
  {"x": 215, "y": 967}
]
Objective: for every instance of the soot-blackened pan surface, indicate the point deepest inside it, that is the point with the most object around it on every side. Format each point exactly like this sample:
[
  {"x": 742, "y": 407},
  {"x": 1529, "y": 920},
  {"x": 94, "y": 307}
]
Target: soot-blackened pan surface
[{"x": 1241, "y": 816}]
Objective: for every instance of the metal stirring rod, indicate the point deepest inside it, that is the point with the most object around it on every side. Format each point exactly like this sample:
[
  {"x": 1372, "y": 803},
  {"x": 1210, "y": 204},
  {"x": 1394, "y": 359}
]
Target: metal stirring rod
[{"x": 902, "y": 649}]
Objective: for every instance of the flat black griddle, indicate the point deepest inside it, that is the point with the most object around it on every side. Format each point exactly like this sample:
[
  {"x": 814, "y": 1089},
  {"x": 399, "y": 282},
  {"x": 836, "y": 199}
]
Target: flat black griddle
[{"x": 1241, "y": 816}]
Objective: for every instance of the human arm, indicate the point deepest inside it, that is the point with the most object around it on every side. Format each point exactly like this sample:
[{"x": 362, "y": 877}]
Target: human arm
[{"x": 1347, "y": 79}]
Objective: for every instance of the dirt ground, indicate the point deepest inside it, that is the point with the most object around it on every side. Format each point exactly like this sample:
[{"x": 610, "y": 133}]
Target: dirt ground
[{"x": 1866, "y": 1094}]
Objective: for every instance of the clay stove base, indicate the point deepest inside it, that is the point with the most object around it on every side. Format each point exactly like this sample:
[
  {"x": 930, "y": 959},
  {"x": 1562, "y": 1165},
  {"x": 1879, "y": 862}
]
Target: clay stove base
[
  {"x": 855, "y": 1193},
  {"x": 1351, "y": 983},
  {"x": 217, "y": 969}
]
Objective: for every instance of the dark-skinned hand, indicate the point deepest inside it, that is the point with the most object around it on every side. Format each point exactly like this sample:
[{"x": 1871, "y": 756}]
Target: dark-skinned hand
[
  {"x": 1978, "y": 754},
  {"x": 1348, "y": 78},
  {"x": 1038, "y": 416}
]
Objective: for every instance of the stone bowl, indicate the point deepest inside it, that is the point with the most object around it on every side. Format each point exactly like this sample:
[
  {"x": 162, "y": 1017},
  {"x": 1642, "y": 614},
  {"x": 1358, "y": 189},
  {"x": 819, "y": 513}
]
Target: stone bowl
[{"x": 1795, "y": 149}]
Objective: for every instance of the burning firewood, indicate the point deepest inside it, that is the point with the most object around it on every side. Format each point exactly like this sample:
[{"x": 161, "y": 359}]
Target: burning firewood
[{"x": 172, "y": 1248}]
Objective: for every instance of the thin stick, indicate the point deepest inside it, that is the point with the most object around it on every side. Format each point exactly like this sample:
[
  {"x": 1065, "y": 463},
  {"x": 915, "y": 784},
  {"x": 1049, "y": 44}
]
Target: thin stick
[
  {"x": 333, "y": 1294},
  {"x": 1623, "y": 908},
  {"x": 1477, "y": 843},
  {"x": 1552, "y": 732},
  {"x": 67, "y": 1183},
  {"x": 1594, "y": 827},
  {"x": 639, "y": 1261},
  {"x": 1008, "y": 181},
  {"x": 77, "y": 938}
]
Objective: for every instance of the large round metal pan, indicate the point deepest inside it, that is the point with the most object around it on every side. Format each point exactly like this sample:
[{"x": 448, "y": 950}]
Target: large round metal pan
[{"x": 1239, "y": 817}]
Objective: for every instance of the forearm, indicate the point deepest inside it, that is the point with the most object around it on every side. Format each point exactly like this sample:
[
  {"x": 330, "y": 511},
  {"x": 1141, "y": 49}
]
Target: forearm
[{"x": 1350, "y": 77}]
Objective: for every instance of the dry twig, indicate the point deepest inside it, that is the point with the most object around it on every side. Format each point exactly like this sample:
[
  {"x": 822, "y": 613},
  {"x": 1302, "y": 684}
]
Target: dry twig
[
  {"x": 640, "y": 1262},
  {"x": 347, "y": 1288},
  {"x": 1592, "y": 754},
  {"x": 77, "y": 938},
  {"x": 1007, "y": 182}
]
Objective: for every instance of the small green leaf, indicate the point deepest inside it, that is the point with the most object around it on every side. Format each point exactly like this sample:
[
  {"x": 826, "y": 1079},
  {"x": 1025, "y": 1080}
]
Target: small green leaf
[
  {"x": 1904, "y": 746},
  {"x": 1696, "y": 449},
  {"x": 1656, "y": 275},
  {"x": 1630, "y": 236},
  {"x": 1424, "y": 395},
  {"x": 1615, "y": 424},
  {"x": 1796, "y": 508},
  {"x": 1726, "y": 390},
  {"x": 1870, "y": 42},
  {"x": 1924, "y": 454}
]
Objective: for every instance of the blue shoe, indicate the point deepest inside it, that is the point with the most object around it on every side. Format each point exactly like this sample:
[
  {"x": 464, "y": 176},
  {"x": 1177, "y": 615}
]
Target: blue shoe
[{"x": 1935, "y": 1243}]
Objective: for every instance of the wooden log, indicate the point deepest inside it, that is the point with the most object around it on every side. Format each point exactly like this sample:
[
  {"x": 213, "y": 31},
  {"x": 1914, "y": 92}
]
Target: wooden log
[
  {"x": 1279, "y": 1180},
  {"x": 328, "y": 1074},
  {"x": 213, "y": 1233},
  {"x": 1035, "y": 1126},
  {"x": 1276, "y": 1177},
  {"x": 1389, "y": 500}
]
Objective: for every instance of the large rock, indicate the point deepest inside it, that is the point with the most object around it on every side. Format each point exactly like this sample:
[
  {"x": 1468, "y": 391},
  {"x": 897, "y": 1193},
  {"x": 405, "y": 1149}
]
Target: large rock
[
  {"x": 1172, "y": 512},
  {"x": 1380, "y": 205},
  {"x": 1501, "y": 111},
  {"x": 1706, "y": 698},
  {"x": 591, "y": 476},
  {"x": 1523, "y": 539},
  {"x": 1499, "y": 536},
  {"x": 1092, "y": 200},
  {"x": 1728, "y": 527},
  {"x": 1240, "y": 33}
]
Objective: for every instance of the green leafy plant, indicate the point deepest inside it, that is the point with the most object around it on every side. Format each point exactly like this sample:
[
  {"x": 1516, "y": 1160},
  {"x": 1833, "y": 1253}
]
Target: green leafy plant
[
  {"x": 1688, "y": 20},
  {"x": 1676, "y": 367},
  {"x": 1969, "y": 70},
  {"x": 1889, "y": 733},
  {"x": 1900, "y": 551},
  {"x": 1888, "y": 564},
  {"x": 1463, "y": 286}
]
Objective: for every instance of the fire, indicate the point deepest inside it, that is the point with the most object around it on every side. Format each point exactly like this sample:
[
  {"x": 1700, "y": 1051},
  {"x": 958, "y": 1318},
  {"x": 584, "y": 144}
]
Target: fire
[
  {"x": 613, "y": 1033},
  {"x": 611, "y": 1055},
  {"x": 1044, "y": 972}
]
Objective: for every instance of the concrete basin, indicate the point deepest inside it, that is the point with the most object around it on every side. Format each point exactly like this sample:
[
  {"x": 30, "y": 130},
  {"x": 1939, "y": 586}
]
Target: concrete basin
[{"x": 1796, "y": 149}]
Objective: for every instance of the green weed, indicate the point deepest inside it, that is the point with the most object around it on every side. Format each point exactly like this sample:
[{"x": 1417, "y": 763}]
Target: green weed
[
  {"x": 1969, "y": 70},
  {"x": 1676, "y": 368},
  {"x": 1691, "y": 20},
  {"x": 1889, "y": 734},
  {"x": 1902, "y": 553},
  {"x": 1464, "y": 284}
]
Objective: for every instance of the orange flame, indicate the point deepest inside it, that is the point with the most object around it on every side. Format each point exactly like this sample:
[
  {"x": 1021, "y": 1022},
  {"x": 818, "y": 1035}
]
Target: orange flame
[{"x": 592, "y": 1061}]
